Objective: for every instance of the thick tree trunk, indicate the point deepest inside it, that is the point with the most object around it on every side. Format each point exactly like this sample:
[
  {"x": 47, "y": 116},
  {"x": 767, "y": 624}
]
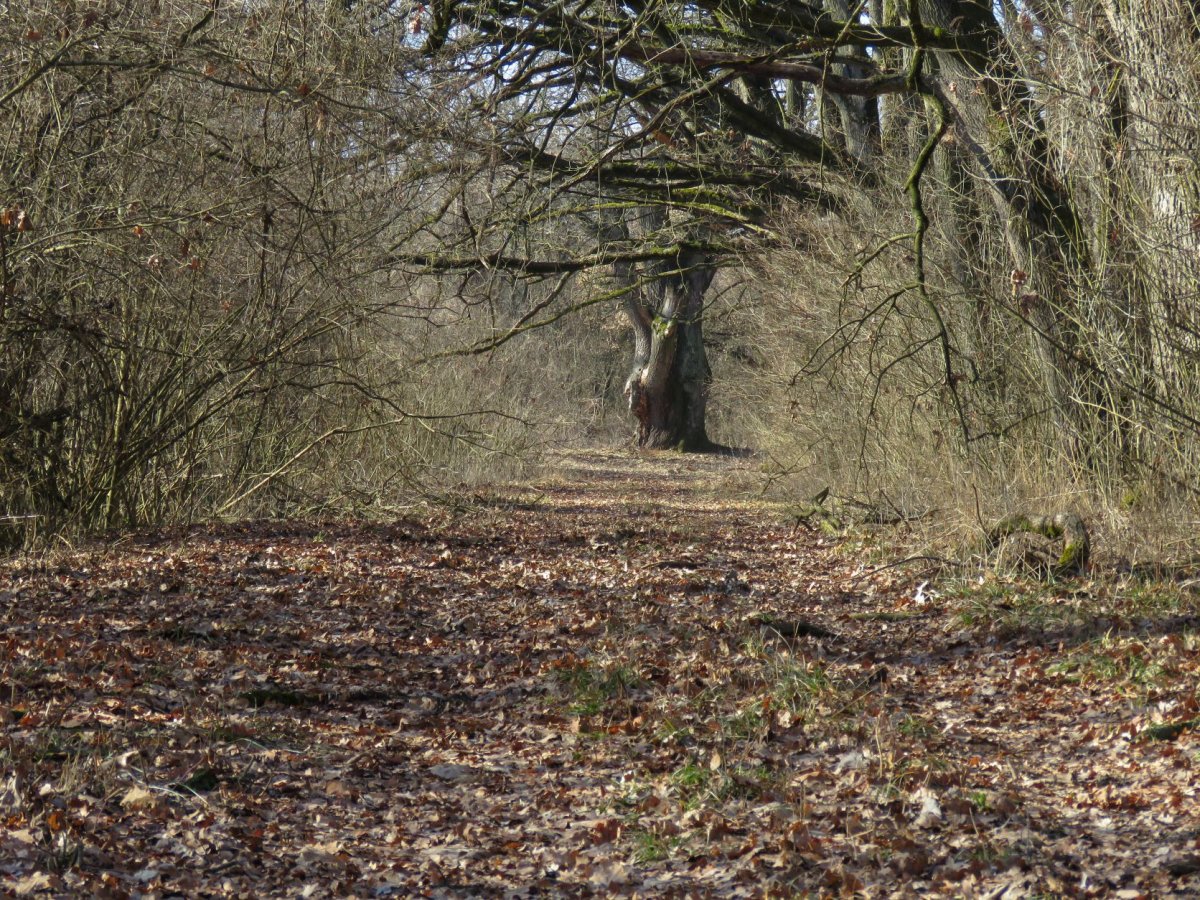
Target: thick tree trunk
[
  {"x": 859, "y": 115},
  {"x": 1157, "y": 179},
  {"x": 995, "y": 120},
  {"x": 667, "y": 389},
  {"x": 899, "y": 114}
]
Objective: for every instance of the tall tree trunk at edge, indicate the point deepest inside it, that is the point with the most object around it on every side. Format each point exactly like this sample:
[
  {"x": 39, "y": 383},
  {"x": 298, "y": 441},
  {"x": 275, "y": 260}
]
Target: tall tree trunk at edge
[{"x": 996, "y": 119}]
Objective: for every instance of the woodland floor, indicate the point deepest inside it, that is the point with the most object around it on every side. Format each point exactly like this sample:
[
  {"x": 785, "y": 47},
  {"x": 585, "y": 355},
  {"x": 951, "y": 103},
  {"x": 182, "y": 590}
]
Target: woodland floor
[{"x": 564, "y": 692}]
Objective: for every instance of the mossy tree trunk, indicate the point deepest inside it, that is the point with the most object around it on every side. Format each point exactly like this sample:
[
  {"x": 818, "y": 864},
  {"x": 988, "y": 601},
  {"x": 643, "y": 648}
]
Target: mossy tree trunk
[{"x": 667, "y": 388}]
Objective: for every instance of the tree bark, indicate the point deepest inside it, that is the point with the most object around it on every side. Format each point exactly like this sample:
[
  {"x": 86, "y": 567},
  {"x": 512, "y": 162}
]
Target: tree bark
[
  {"x": 1154, "y": 142},
  {"x": 859, "y": 115},
  {"x": 996, "y": 120},
  {"x": 668, "y": 385}
]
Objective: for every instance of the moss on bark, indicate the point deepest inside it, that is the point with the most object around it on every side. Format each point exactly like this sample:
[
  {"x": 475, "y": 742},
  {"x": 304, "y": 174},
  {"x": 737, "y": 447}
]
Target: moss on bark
[{"x": 1067, "y": 527}]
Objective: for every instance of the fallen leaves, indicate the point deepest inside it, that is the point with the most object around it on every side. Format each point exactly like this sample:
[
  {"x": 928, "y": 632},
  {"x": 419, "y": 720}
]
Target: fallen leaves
[
  {"x": 139, "y": 799},
  {"x": 601, "y": 692},
  {"x": 930, "y": 813}
]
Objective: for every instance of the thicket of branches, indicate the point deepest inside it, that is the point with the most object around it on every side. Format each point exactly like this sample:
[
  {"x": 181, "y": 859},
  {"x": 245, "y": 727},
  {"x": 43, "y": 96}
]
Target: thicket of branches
[
  {"x": 197, "y": 310},
  {"x": 1061, "y": 263},
  {"x": 265, "y": 254}
]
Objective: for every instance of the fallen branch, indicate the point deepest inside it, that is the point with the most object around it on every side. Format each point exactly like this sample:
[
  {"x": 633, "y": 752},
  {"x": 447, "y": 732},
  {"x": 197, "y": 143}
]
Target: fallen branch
[
  {"x": 940, "y": 563},
  {"x": 787, "y": 629}
]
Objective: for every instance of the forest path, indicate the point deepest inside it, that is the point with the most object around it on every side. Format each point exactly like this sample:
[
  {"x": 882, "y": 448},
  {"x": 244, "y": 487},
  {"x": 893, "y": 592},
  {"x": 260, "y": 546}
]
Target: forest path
[{"x": 569, "y": 691}]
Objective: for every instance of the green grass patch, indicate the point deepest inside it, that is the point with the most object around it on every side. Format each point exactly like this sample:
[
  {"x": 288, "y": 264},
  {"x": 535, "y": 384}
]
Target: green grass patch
[
  {"x": 980, "y": 800},
  {"x": 747, "y": 723},
  {"x": 1014, "y": 607},
  {"x": 801, "y": 687},
  {"x": 590, "y": 689},
  {"x": 695, "y": 785},
  {"x": 1157, "y": 599},
  {"x": 1127, "y": 664},
  {"x": 649, "y": 847},
  {"x": 916, "y": 727}
]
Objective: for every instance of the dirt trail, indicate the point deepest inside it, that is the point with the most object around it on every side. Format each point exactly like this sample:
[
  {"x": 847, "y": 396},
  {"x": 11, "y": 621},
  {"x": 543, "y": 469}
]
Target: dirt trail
[{"x": 625, "y": 680}]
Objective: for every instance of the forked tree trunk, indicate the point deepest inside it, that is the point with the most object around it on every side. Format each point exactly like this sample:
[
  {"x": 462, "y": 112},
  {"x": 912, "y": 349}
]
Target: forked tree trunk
[{"x": 667, "y": 388}]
